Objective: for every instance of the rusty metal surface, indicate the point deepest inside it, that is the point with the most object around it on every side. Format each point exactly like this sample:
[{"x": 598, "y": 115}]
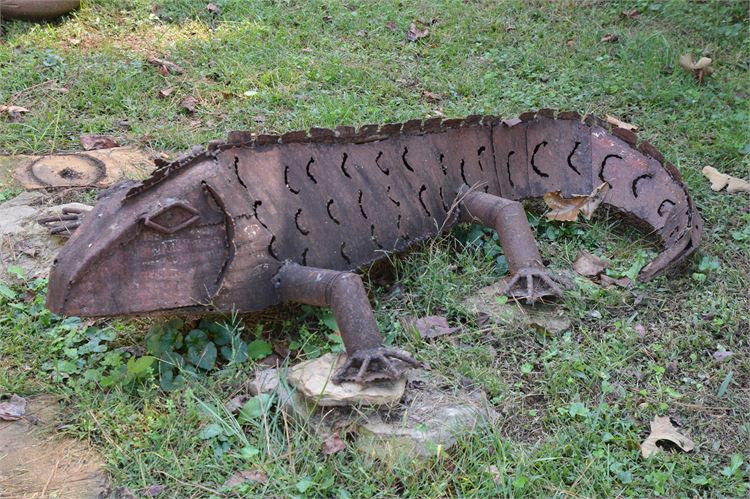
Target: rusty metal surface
[
  {"x": 368, "y": 360},
  {"x": 36, "y": 10},
  {"x": 528, "y": 278},
  {"x": 212, "y": 229}
]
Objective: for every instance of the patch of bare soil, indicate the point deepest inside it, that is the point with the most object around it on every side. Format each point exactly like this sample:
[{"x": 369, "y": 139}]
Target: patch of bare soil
[{"x": 35, "y": 463}]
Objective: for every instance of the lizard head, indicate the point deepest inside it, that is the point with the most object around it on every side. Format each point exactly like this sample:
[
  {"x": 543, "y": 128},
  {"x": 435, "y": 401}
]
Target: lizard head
[{"x": 158, "y": 246}]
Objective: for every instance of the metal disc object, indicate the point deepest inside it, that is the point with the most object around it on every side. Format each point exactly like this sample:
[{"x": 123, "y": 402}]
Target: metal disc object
[
  {"x": 35, "y": 10},
  {"x": 68, "y": 170}
]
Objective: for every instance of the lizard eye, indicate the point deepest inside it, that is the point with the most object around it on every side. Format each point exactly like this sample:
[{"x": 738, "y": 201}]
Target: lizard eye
[{"x": 173, "y": 217}]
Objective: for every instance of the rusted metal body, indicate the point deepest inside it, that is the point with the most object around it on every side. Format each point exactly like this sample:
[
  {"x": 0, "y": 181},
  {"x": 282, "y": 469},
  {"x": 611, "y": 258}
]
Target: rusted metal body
[
  {"x": 235, "y": 227},
  {"x": 36, "y": 10}
]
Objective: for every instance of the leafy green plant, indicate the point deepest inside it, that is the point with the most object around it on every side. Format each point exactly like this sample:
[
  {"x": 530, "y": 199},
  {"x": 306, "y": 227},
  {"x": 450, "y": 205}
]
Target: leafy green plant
[
  {"x": 199, "y": 350},
  {"x": 487, "y": 240},
  {"x": 706, "y": 265}
]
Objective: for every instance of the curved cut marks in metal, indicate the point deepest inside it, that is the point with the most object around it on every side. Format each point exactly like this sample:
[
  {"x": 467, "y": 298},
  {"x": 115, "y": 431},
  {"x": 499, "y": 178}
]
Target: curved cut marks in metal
[{"x": 341, "y": 199}]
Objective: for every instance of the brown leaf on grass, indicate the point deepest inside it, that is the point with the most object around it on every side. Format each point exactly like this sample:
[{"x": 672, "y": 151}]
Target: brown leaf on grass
[
  {"x": 662, "y": 430},
  {"x": 571, "y": 43},
  {"x": 188, "y": 104},
  {"x": 235, "y": 403},
  {"x": 631, "y": 14},
  {"x": 722, "y": 355},
  {"x": 13, "y": 409},
  {"x": 164, "y": 66},
  {"x": 333, "y": 444},
  {"x": 391, "y": 25},
  {"x": 245, "y": 476},
  {"x": 700, "y": 69},
  {"x": 214, "y": 9},
  {"x": 609, "y": 38},
  {"x": 432, "y": 97},
  {"x": 719, "y": 181},
  {"x": 91, "y": 142},
  {"x": 414, "y": 33},
  {"x": 154, "y": 490},
  {"x": 608, "y": 282},
  {"x": 272, "y": 360},
  {"x": 589, "y": 265},
  {"x": 165, "y": 92},
  {"x": 621, "y": 124},
  {"x": 15, "y": 113},
  {"x": 431, "y": 326},
  {"x": 567, "y": 209}
]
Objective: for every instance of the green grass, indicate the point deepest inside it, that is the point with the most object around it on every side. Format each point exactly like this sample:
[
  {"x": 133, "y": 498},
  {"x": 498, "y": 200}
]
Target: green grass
[{"x": 274, "y": 66}]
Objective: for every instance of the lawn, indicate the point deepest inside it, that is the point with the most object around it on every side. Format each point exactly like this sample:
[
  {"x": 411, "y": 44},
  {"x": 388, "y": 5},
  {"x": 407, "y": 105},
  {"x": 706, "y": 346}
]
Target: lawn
[{"x": 575, "y": 406}]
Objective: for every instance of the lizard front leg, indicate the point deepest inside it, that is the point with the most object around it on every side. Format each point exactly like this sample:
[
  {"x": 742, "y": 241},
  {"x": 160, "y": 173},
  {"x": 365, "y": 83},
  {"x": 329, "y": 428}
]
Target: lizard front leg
[
  {"x": 529, "y": 278},
  {"x": 66, "y": 223},
  {"x": 367, "y": 359}
]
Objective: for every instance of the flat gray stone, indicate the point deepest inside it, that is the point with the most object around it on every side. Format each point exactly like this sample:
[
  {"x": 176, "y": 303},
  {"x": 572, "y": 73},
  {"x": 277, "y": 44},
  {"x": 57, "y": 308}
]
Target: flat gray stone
[
  {"x": 25, "y": 243},
  {"x": 548, "y": 318},
  {"x": 416, "y": 424},
  {"x": 313, "y": 380},
  {"x": 290, "y": 400},
  {"x": 431, "y": 423}
]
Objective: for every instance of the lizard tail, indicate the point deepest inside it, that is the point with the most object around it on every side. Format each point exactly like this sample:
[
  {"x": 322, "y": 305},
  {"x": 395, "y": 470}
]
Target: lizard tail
[{"x": 541, "y": 152}]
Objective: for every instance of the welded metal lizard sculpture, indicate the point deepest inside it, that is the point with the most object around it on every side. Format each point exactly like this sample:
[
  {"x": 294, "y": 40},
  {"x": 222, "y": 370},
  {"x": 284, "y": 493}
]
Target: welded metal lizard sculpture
[{"x": 263, "y": 219}]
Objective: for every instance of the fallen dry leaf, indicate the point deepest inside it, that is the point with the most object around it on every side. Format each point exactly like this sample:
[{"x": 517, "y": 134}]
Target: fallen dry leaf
[
  {"x": 235, "y": 403},
  {"x": 432, "y": 326},
  {"x": 662, "y": 429},
  {"x": 722, "y": 355},
  {"x": 91, "y": 142},
  {"x": 700, "y": 69},
  {"x": 164, "y": 66},
  {"x": 188, "y": 104},
  {"x": 124, "y": 492},
  {"x": 631, "y": 14},
  {"x": 245, "y": 476},
  {"x": 15, "y": 113},
  {"x": 213, "y": 9},
  {"x": 721, "y": 180},
  {"x": 165, "y": 92},
  {"x": 589, "y": 265},
  {"x": 391, "y": 25},
  {"x": 621, "y": 124},
  {"x": 415, "y": 33},
  {"x": 433, "y": 97},
  {"x": 607, "y": 282},
  {"x": 609, "y": 38},
  {"x": 333, "y": 444},
  {"x": 571, "y": 43},
  {"x": 567, "y": 209},
  {"x": 13, "y": 409},
  {"x": 154, "y": 490}
]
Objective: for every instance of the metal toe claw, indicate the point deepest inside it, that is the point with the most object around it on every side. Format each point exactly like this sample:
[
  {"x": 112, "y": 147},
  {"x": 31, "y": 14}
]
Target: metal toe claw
[
  {"x": 374, "y": 365},
  {"x": 532, "y": 284}
]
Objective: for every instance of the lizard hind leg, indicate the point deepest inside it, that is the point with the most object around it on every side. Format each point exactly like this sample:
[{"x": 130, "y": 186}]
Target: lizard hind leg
[
  {"x": 529, "y": 278},
  {"x": 368, "y": 359}
]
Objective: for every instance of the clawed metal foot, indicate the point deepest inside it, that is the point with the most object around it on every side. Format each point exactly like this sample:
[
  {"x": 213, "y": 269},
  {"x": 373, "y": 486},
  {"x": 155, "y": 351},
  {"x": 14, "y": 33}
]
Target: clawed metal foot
[
  {"x": 532, "y": 283},
  {"x": 64, "y": 224},
  {"x": 376, "y": 364}
]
